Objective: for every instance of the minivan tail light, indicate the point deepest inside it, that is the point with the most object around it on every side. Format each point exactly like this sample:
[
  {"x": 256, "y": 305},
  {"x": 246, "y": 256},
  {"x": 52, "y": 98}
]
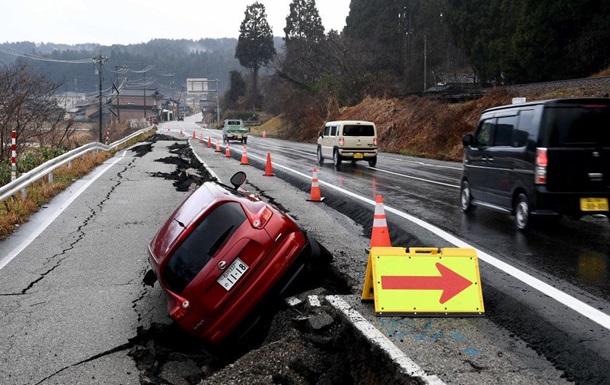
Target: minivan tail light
[
  {"x": 375, "y": 142},
  {"x": 341, "y": 141},
  {"x": 542, "y": 161}
]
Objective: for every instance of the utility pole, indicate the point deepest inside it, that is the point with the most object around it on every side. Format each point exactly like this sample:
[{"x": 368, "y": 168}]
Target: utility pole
[
  {"x": 99, "y": 60},
  {"x": 425, "y": 59},
  {"x": 144, "y": 96},
  {"x": 217, "y": 104},
  {"x": 118, "y": 94}
]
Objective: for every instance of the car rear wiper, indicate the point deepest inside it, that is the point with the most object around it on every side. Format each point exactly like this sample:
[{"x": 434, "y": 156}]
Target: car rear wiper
[{"x": 219, "y": 241}]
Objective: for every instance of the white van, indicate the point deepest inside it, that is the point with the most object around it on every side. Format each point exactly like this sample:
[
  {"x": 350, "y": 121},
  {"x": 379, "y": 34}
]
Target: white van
[{"x": 352, "y": 140}]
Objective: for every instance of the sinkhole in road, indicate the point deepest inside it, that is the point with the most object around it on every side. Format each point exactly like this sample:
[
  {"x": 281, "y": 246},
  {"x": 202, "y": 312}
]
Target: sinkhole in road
[{"x": 299, "y": 340}]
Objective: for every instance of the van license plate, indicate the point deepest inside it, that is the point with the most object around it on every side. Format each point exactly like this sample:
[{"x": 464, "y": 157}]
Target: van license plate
[
  {"x": 594, "y": 204},
  {"x": 358, "y": 155},
  {"x": 233, "y": 273}
]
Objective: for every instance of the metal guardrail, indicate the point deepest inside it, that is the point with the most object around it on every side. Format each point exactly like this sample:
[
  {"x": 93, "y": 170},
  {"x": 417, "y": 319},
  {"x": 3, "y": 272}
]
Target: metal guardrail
[{"x": 47, "y": 168}]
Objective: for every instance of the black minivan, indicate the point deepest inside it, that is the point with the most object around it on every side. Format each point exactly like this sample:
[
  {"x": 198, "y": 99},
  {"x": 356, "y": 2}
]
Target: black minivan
[{"x": 543, "y": 158}]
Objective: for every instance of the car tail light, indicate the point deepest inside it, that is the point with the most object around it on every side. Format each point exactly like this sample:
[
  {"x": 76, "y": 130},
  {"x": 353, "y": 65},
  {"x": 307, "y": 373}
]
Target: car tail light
[
  {"x": 341, "y": 141},
  {"x": 542, "y": 161},
  {"x": 260, "y": 219},
  {"x": 181, "y": 308},
  {"x": 375, "y": 142}
]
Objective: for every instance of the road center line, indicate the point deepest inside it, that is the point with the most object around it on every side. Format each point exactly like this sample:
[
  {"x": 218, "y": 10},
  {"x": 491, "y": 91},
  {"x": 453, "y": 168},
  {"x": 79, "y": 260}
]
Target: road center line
[{"x": 416, "y": 178}]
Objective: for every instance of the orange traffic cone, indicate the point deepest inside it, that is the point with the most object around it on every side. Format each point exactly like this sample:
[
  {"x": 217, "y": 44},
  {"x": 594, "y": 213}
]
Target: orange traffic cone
[
  {"x": 218, "y": 147},
  {"x": 194, "y": 135},
  {"x": 268, "y": 168},
  {"x": 227, "y": 151},
  {"x": 244, "y": 156},
  {"x": 381, "y": 235},
  {"x": 201, "y": 138},
  {"x": 315, "y": 188},
  {"x": 209, "y": 142},
  {"x": 264, "y": 134},
  {"x": 181, "y": 133}
]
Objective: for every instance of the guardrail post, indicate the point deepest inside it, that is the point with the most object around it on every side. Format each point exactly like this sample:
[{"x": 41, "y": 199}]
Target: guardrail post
[
  {"x": 13, "y": 155},
  {"x": 24, "y": 193},
  {"x": 50, "y": 177}
]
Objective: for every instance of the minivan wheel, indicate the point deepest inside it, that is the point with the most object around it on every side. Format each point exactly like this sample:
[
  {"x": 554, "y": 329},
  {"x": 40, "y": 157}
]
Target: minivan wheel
[
  {"x": 522, "y": 212},
  {"x": 373, "y": 161},
  {"x": 466, "y": 198},
  {"x": 320, "y": 157},
  {"x": 336, "y": 158}
]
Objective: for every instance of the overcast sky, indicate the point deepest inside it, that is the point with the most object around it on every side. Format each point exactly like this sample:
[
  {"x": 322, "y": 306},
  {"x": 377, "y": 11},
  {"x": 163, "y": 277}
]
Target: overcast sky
[{"x": 138, "y": 21}]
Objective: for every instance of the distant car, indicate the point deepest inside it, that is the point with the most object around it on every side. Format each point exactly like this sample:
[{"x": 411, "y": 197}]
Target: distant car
[
  {"x": 221, "y": 254},
  {"x": 153, "y": 120},
  {"x": 348, "y": 140},
  {"x": 234, "y": 129},
  {"x": 180, "y": 116},
  {"x": 543, "y": 158}
]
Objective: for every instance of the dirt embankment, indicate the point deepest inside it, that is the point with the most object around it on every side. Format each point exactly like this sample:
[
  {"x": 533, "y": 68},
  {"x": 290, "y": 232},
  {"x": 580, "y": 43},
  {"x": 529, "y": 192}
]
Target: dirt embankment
[{"x": 432, "y": 128}]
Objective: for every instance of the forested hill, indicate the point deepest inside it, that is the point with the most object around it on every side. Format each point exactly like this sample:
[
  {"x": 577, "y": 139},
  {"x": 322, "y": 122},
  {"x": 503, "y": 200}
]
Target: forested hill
[{"x": 172, "y": 61}]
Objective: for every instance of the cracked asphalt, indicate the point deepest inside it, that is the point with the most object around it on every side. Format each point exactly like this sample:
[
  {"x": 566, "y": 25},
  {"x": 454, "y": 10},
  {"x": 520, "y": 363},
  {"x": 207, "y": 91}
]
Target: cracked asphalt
[{"x": 71, "y": 302}]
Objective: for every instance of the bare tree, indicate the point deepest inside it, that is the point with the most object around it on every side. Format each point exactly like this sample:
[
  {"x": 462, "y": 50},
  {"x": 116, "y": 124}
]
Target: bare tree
[{"x": 28, "y": 106}]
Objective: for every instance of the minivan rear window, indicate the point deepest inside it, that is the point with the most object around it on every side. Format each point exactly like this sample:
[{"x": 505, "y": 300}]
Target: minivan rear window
[
  {"x": 201, "y": 245},
  {"x": 358, "y": 130},
  {"x": 578, "y": 126}
]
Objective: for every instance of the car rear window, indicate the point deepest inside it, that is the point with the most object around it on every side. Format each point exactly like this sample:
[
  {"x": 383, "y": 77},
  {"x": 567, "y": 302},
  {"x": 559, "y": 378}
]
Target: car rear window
[
  {"x": 201, "y": 245},
  {"x": 358, "y": 130},
  {"x": 587, "y": 125}
]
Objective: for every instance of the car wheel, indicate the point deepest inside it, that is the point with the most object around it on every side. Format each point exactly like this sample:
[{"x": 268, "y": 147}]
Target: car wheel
[
  {"x": 466, "y": 198},
  {"x": 522, "y": 212},
  {"x": 320, "y": 157},
  {"x": 336, "y": 158},
  {"x": 373, "y": 161}
]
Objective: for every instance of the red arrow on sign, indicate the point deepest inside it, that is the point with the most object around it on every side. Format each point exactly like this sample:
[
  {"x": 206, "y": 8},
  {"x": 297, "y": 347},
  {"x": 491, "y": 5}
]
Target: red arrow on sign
[{"x": 450, "y": 282}]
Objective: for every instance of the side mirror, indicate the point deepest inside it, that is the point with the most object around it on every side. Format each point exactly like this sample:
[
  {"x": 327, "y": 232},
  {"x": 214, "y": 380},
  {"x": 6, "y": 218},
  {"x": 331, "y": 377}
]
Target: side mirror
[
  {"x": 467, "y": 140},
  {"x": 238, "y": 179}
]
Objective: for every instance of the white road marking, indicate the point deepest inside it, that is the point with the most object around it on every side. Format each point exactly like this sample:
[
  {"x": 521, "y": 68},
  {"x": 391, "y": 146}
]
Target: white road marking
[{"x": 377, "y": 338}]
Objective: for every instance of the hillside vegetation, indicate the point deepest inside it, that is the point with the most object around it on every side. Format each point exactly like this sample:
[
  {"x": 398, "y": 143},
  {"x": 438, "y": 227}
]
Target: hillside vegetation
[{"x": 426, "y": 127}]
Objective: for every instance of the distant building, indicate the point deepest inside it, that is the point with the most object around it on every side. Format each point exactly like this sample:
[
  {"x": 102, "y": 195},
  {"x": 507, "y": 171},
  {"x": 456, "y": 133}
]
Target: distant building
[
  {"x": 69, "y": 100},
  {"x": 136, "y": 103}
]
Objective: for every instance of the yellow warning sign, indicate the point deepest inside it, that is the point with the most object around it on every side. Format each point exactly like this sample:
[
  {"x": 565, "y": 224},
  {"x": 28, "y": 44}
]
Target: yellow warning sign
[{"x": 424, "y": 281}]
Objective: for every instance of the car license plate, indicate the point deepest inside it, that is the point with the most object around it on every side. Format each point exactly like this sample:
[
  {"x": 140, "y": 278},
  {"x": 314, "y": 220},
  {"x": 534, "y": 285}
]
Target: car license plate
[
  {"x": 358, "y": 155},
  {"x": 239, "y": 136},
  {"x": 594, "y": 204},
  {"x": 233, "y": 273}
]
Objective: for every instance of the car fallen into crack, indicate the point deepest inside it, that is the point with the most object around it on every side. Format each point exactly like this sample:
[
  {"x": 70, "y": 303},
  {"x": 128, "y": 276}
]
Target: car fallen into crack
[{"x": 221, "y": 255}]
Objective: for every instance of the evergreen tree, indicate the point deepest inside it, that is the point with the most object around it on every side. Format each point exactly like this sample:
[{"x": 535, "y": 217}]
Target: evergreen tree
[
  {"x": 303, "y": 61},
  {"x": 255, "y": 44},
  {"x": 303, "y": 22},
  {"x": 237, "y": 90}
]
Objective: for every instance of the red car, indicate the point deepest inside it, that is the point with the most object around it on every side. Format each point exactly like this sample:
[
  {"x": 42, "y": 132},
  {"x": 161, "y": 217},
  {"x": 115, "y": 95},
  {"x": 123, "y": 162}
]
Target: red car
[{"x": 221, "y": 253}]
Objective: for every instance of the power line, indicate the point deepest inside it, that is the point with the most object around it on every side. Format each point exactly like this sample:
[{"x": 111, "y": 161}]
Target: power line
[{"x": 15, "y": 52}]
